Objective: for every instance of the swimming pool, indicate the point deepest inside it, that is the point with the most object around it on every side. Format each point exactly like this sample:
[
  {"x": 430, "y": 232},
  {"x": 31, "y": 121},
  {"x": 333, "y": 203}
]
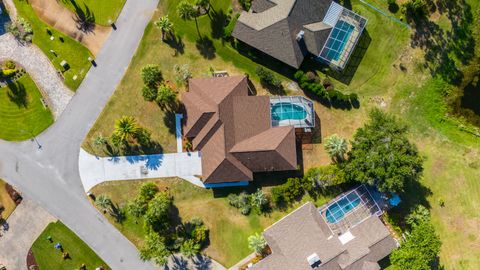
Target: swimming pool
[
  {"x": 288, "y": 111},
  {"x": 338, "y": 39},
  {"x": 340, "y": 208}
]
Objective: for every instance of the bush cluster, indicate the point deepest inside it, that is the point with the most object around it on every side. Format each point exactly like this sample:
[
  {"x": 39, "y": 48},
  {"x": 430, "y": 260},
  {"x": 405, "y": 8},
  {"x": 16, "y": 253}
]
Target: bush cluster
[
  {"x": 246, "y": 202},
  {"x": 267, "y": 78},
  {"x": 246, "y": 4},
  {"x": 228, "y": 30},
  {"x": 310, "y": 84}
]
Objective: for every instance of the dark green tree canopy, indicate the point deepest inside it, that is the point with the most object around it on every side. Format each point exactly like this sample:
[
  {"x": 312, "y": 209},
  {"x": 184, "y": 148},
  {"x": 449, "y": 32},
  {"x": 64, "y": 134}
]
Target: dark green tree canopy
[
  {"x": 419, "y": 251},
  {"x": 158, "y": 212},
  {"x": 381, "y": 154}
]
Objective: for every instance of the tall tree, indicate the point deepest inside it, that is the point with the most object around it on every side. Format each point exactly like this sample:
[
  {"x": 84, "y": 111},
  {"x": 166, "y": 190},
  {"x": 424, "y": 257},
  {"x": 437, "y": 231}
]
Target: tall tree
[
  {"x": 257, "y": 243},
  {"x": 382, "y": 156},
  {"x": 157, "y": 215},
  {"x": 187, "y": 12},
  {"x": 126, "y": 129},
  {"x": 336, "y": 147},
  {"x": 154, "y": 249},
  {"x": 189, "y": 248},
  {"x": 420, "y": 249},
  {"x": 151, "y": 76},
  {"x": 165, "y": 25}
]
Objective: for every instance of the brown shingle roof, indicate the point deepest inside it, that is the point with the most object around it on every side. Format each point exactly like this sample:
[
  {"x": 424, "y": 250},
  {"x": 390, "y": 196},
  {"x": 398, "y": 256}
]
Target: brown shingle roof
[
  {"x": 231, "y": 117},
  {"x": 303, "y": 233}
]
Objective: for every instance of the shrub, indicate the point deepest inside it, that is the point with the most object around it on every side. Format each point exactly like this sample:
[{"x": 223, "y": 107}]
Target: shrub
[
  {"x": 246, "y": 4},
  {"x": 166, "y": 97},
  {"x": 151, "y": 76},
  {"x": 267, "y": 78},
  {"x": 148, "y": 191},
  {"x": 182, "y": 74},
  {"x": 228, "y": 30},
  {"x": 277, "y": 196},
  {"x": 149, "y": 93},
  {"x": 241, "y": 201},
  {"x": 10, "y": 64},
  {"x": 259, "y": 200}
]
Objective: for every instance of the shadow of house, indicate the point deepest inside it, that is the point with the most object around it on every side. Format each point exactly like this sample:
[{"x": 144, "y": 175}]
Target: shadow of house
[
  {"x": 218, "y": 20},
  {"x": 18, "y": 94},
  {"x": 84, "y": 19}
]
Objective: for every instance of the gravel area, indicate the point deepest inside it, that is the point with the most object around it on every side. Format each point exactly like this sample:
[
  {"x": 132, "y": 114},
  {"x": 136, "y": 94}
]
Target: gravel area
[{"x": 40, "y": 69}]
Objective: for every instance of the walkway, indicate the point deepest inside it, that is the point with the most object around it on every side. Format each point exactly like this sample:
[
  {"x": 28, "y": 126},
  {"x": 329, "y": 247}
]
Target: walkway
[
  {"x": 24, "y": 226},
  {"x": 50, "y": 175},
  {"x": 95, "y": 170},
  {"x": 62, "y": 19},
  {"x": 40, "y": 69}
]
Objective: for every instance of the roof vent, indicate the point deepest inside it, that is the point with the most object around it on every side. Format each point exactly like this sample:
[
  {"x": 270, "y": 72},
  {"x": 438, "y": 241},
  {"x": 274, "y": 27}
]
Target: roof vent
[
  {"x": 300, "y": 35},
  {"x": 314, "y": 260}
]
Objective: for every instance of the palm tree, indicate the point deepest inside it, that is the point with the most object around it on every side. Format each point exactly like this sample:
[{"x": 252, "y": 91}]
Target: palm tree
[
  {"x": 126, "y": 128},
  {"x": 165, "y": 25},
  {"x": 186, "y": 11},
  {"x": 336, "y": 147},
  {"x": 99, "y": 140},
  {"x": 104, "y": 202},
  {"x": 205, "y": 5},
  {"x": 257, "y": 243}
]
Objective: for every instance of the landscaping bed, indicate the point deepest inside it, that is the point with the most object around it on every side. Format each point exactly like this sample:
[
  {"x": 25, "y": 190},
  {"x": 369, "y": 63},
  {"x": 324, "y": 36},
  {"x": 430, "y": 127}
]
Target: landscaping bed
[
  {"x": 23, "y": 113},
  {"x": 48, "y": 257},
  {"x": 6, "y": 200},
  {"x": 63, "y": 47}
]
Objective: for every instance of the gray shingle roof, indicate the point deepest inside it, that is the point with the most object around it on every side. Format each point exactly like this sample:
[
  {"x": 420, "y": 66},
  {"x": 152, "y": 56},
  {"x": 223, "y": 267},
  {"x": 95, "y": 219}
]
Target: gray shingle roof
[
  {"x": 303, "y": 233},
  {"x": 274, "y": 30}
]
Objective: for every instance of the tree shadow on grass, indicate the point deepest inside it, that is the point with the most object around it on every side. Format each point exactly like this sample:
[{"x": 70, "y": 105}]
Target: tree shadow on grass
[
  {"x": 84, "y": 19},
  {"x": 169, "y": 121},
  {"x": 205, "y": 47},
  {"x": 18, "y": 94},
  {"x": 218, "y": 21},
  {"x": 176, "y": 43}
]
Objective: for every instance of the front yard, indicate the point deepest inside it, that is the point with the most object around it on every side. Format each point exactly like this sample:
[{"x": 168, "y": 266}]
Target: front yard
[
  {"x": 50, "y": 258},
  {"x": 103, "y": 11},
  {"x": 22, "y": 113},
  {"x": 64, "y": 47}
]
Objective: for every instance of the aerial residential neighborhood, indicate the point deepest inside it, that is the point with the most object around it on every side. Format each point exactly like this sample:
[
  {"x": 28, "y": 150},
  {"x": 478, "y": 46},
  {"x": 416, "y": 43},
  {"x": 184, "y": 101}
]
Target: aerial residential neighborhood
[{"x": 239, "y": 134}]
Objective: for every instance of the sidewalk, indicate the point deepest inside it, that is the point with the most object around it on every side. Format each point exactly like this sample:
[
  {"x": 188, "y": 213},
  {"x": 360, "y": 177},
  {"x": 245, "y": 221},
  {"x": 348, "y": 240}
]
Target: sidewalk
[{"x": 24, "y": 226}]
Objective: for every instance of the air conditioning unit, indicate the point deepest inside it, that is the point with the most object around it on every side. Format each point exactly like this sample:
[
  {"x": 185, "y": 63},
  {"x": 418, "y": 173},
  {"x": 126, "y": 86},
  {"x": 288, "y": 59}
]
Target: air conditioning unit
[{"x": 314, "y": 261}]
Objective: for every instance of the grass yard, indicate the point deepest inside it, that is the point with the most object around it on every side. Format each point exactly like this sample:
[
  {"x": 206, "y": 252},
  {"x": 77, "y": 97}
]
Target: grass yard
[
  {"x": 49, "y": 258},
  {"x": 69, "y": 49},
  {"x": 102, "y": 10},
  {"x": 6, "y": 202},
  {"x": 229, "y": 229},
  {"x": 22, "y": 114},
  {"x": 387, "y": 73}
]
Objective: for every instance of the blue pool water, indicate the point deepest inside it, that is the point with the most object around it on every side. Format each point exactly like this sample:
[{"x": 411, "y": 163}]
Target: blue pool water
[
  {"x": 339, "y": 209},
  {"x": 338, "y": 39},
  {"x": 288, "y": 111}
]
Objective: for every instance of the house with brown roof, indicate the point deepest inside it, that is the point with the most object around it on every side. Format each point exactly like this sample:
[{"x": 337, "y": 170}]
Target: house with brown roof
[
  {"x": 290, "y": 30},
  {"x": 304, "y": 240},
  {"x": 235, "y": 133}
]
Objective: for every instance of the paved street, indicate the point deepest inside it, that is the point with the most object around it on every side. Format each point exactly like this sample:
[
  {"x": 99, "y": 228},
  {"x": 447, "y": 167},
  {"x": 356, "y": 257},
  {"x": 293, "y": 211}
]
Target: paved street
[{"x": 50, "y": 176}]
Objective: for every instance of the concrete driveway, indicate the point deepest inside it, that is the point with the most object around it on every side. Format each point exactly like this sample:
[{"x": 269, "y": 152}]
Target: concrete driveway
[{"x": 95, "y": 170}]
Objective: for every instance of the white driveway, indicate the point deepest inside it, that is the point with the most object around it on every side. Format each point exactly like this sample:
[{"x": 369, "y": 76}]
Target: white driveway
[{"x": 95, "y": 170}]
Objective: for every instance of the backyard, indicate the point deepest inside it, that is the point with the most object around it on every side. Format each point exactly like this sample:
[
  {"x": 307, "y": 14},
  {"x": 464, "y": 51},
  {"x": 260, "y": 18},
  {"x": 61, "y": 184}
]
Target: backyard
[
  {"x": 50, "y": 258},
  {"x": 228, "y": 231},
  {"x": 103, "y": 11},
  {"x": 22, "y": 113},
  {"x": 388, "y": 70},
  {"x": 63, "y": 47}
]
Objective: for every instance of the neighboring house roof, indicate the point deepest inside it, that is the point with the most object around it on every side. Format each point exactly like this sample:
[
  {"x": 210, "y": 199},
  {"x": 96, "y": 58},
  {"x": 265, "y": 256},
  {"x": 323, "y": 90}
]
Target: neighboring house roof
[
  {"x": 272, "y": 27},
  {"x": 233, "y": 131},
  {"x": 304, "y": 233}
]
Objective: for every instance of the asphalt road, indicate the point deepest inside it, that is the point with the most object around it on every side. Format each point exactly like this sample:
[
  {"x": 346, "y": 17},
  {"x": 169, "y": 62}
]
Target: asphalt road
[{"x": 50, "y": 176}]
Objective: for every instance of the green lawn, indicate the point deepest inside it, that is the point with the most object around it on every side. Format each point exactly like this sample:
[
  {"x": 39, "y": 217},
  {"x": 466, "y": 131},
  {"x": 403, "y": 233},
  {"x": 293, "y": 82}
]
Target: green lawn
[
  {"x": 229, "y": 229},
  {"x": 22, "y": 114},
  {"x": 69, "y": 49},
  {"x": 49, "y": 258},
  {"x": 102, "y": 10},
  {"x": 451, "y": 167}
]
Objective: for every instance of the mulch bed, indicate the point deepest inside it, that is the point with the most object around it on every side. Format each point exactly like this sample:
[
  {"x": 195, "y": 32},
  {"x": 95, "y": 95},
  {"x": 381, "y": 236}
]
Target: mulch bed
[
  {"x": 31, "y": 262},
  {"x": 16, "y": 197}
]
